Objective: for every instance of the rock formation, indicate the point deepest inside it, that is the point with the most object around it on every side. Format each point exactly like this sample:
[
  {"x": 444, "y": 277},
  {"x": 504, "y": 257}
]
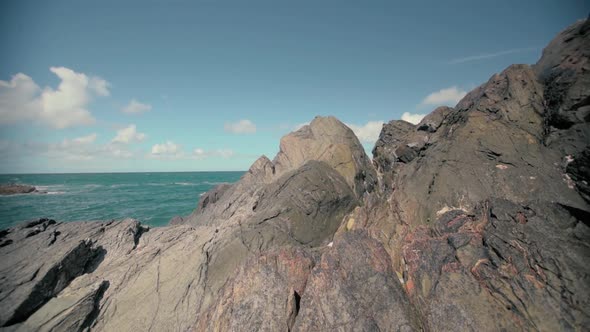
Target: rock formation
[
  {"x": 474, "y": 219},
  {"x": 13, "y": 189}
]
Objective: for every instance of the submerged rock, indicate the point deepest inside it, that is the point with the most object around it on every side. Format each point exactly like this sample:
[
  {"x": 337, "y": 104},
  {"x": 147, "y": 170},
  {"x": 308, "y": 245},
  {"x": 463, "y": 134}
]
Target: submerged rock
[{"x": 13, "y": 189}]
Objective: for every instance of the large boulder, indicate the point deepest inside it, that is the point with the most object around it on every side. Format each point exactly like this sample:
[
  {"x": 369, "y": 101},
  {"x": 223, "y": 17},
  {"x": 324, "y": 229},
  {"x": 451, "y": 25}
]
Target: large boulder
[
  {"x": 490, "y": 145},
  {"x": 329, "y": 140}
]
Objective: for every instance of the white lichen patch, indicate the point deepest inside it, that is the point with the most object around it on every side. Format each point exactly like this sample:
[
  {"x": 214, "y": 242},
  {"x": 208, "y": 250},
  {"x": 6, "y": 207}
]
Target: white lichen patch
[
  {"x": 447, "y": 208},
  {"x": 569, "y": 181}
]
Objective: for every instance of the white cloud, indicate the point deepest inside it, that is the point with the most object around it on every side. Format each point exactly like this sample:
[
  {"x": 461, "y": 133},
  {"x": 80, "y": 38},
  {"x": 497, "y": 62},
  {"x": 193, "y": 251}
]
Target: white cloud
[
  {"x": 135, "y": 107},
  {"x": 200, "y": 153},
  {"x": 240, "y": 127},
  {"x": 128, "y": 135},
  {"x": 18, "y": 100},
  {"x": 85, "y": 139},
  {"x": 412, "y": 118},
  {"x": 449, "y": 97},
  {"x": 367, "y": 133},
  {"x": 21, "y": 99},
  {"x": 167, "y": 149},
  {"x": 97, "y": 85}
]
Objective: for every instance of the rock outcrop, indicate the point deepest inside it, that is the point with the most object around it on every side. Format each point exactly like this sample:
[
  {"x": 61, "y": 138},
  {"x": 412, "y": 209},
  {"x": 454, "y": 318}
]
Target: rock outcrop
[
  {"x": 475, "y": 219},
  {"x": 13, "y": 189}
]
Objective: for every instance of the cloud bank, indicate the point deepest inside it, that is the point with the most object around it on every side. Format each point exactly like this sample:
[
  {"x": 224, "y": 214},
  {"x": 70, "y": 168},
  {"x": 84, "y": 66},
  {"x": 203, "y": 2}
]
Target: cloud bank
[
  {"x": 129, "y": 135},
  {"x": 21, "y": 99},
  {"x": 241, "y": 127},
  {"x": 367, "y": 133},
  {"x": 447, "y": 97},
  {"x": 135, "y": 107}
]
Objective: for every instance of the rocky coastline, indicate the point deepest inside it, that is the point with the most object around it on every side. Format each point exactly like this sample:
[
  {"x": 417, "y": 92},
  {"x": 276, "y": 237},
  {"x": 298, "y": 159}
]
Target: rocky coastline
[{"x": 475, "y": 219}]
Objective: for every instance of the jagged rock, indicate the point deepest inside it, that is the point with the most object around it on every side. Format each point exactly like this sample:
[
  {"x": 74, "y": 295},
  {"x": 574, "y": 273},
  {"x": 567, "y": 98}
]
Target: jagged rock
[
  {"x": 502, "y": 269},
  {"x": 212, "y": 196},
  {"x": 325, "y": 140},
  {"x": 391, "y": 137},
  {"x": 308, "y": 203},
  {"x": 479, "y": 221},
  {"x": 69, "y": 311},
  {"x": 329, "y": 140},
  {"x": 490, "y": 145},
  {"x": 12, "y": 189},
  {"x": 465, "y": 269},
  {"x": 353, "y": 288},
  {"x": 579, "y": 171},
  {"x": 434, "y": 120},
  {"x": 563, "y": 69},
  {"x": 264, "y": 294},
  {"x": 402, "y": 142},
  {"x": 33, "y": 269},
  {"x": 164, "y": 278}
]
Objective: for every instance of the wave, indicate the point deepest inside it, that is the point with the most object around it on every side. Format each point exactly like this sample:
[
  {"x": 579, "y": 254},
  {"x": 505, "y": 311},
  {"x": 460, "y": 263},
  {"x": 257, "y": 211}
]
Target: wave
[
  {"x": 48, "y": 187},
  {"x": 124, "y": 185},
  {"x": 55, "y": 192},
  {"x": 186, "y": 184}
]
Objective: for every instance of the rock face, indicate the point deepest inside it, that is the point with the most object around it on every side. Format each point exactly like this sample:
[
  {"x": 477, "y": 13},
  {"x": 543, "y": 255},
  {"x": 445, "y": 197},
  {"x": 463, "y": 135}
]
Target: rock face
[
  {"x": 475, "y": 219},
  {"x": 12, "y": 189}
]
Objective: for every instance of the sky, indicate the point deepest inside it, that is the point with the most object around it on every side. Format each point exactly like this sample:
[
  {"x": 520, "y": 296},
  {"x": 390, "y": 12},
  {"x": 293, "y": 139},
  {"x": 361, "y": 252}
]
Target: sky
[{"x": 211, "y": 85}]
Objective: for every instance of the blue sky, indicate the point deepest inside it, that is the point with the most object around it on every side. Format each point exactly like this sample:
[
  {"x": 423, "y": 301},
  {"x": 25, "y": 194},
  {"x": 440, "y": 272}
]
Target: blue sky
[{"x": 211, "y": 85}]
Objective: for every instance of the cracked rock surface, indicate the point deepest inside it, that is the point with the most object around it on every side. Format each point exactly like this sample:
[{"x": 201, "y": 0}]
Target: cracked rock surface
[{"x": 475, "y": 219}]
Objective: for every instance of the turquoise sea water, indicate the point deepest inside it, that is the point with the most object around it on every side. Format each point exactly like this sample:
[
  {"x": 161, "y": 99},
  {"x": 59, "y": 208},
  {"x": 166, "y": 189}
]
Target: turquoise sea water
[{"x": 152, "y": 198}]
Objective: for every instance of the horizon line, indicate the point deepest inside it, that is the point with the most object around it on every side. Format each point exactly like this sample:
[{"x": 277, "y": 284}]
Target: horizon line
[{"x": 121, "y": 172}]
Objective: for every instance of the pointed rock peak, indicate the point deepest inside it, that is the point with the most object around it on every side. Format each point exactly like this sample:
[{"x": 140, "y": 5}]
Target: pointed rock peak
[
  {"x": 331, "y": 141},
  {"x": 432, "y": 121},
  {"x": 324, "y": 126},
  {"x": 328, "y": 125},
  {"x": 570, "y": 49},
  {"x": 564, "y": 70},
  {"x": 261, "y": 170}
]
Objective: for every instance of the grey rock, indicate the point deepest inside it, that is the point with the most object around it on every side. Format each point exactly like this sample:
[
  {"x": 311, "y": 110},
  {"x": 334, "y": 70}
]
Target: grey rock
[
  {"x": 490, "y": 145},
  {"x": 353, "y": 288},
  {"x": 434, "y": 120},
  {"x": 392, "y": 137},
  {"x": 579, "y": 172},
  {"x": 13, "y": 189},
  {"x": 264, "y": 295},
  {"x": 475, "y": 219},
  {"x": 329, "y": 140},
  {"x": 509, "y": 272}
]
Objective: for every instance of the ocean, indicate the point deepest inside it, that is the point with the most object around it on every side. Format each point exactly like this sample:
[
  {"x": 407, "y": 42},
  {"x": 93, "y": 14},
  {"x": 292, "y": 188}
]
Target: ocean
[{"x": 152, "y": 198}]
